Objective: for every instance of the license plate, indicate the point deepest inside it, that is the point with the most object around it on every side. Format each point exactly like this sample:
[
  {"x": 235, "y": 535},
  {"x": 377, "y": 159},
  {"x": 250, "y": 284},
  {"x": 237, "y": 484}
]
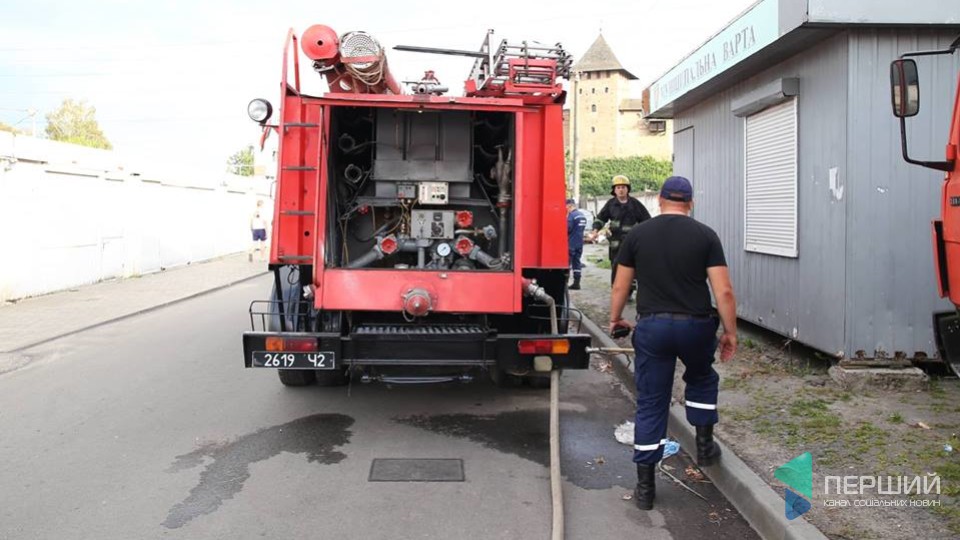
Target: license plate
[{"x": 294, "y": 360}]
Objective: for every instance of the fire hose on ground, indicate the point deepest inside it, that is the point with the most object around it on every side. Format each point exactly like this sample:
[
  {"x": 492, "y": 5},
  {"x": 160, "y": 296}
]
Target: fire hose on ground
[
  {"x": 556, "y": 489},
  {"x": 629, "y": 350}
]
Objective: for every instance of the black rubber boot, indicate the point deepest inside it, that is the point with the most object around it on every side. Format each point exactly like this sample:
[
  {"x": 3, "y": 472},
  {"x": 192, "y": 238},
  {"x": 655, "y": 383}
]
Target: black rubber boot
[
  {"x": 646, "y": 488},
  {"x": 708, "y": 451},
  {"x": 576, "y": 283}
]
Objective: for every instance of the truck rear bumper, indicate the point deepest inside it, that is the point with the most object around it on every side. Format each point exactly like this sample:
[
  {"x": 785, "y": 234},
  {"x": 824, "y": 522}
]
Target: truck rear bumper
[{"x": 388, "y": 346}]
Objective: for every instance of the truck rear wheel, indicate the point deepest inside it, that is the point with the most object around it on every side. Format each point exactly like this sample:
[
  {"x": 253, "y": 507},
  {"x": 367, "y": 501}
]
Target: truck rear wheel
[{"x": 296, "y": 377}]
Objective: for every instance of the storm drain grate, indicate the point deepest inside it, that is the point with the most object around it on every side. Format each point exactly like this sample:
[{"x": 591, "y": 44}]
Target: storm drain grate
[{"x": 416, "y": 470}]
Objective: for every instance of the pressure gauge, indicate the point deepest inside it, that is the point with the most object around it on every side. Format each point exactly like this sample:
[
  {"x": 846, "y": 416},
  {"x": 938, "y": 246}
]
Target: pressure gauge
[{"x": 443, "y": 249}]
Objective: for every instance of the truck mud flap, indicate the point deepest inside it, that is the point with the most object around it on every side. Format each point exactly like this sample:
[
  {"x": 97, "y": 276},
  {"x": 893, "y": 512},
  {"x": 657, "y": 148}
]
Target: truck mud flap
[{"x": 946, "y": 330}]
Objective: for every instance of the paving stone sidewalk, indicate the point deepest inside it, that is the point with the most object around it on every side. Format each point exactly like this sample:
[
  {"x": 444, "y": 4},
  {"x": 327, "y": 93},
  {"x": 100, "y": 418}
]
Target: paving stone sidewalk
[{"x": 32, "y": 321}]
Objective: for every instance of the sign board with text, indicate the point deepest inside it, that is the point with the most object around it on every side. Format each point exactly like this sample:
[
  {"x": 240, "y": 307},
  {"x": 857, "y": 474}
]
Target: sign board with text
[{"x": 751, "y": 32}]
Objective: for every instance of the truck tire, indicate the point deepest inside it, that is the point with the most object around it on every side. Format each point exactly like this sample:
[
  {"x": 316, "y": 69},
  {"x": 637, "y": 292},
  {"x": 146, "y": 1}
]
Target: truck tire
[
  {"x": 288, "y": 377},
  {"x": 296, "y": 377}
]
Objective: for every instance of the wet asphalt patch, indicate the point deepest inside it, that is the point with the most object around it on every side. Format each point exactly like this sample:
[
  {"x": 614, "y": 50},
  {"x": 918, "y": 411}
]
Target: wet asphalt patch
[
  {"x": 591, "y": 457},
  {"x": 317, "y": 436}
]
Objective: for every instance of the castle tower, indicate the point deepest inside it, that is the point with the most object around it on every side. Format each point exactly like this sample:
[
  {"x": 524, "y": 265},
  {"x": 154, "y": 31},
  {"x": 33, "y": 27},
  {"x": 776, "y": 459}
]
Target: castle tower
[{"x": 604, "y": 120}]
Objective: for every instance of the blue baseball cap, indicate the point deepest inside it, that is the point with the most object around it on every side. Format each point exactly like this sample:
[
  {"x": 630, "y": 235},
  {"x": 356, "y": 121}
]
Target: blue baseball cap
[
  {"x": 571, "y": 201},
  {"x": 677, "y": 188}
]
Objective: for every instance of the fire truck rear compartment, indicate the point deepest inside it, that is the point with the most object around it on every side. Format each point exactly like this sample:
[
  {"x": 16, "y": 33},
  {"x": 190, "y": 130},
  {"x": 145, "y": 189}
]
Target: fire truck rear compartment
[{"x": 420, "y": 189}]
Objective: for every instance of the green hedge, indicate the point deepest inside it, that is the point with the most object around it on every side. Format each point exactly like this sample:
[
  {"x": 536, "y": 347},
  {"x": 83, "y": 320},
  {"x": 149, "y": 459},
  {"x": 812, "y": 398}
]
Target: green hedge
[{"x": 644, "y": 172}]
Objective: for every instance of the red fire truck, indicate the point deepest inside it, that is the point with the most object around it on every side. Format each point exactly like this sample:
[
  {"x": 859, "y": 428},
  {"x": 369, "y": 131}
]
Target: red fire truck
[
  {"x": 417, "y": 237},
  {"x": 905, "y": 95}
]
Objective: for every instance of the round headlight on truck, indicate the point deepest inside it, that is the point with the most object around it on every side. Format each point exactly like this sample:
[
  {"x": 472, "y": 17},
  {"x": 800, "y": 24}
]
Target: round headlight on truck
[{"x": 259, "y": 110}]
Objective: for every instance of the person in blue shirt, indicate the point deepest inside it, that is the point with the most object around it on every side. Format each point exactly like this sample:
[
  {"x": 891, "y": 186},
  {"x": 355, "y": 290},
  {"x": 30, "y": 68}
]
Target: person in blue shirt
[{"x": 576, "y": 224}]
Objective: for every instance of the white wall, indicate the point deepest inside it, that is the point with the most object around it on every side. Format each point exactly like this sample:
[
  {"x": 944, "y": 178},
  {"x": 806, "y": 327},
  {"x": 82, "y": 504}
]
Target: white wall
[{"x": 71, "y": 215}]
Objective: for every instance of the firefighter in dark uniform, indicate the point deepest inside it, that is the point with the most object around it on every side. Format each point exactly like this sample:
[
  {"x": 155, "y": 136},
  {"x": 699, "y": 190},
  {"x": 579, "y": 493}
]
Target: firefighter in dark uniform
[
  {"x": 576, "y": 225},
  {"x": 623, "y": 212},
  {"x": 673, "y": 257}
]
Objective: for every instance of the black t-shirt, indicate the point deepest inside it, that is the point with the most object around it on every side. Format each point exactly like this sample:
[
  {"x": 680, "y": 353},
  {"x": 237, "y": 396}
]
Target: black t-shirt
[{"x": 670, "y": 255}]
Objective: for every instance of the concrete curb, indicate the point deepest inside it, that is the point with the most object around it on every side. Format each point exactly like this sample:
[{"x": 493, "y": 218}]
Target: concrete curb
[
  {"x": 132, "y": 314},
  {"x": 762, "y": 507}
]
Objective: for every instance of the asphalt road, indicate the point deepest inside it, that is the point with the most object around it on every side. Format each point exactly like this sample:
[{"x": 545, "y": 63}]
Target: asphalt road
[{"x": 150, "y": 427}]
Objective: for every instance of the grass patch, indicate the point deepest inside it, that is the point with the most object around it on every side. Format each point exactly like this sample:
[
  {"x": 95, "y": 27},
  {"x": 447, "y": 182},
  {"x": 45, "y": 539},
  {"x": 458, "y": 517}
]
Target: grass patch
[
  {"x": 895, "y": 418},
  {"x": 949, "y": 478},
  {"x": 743, "y": 415},
  {"x": 806, "y": 407},
  {"x": 828, "y": 458},
  {"x": 603, "y": 263},
  {"x": 764, "y": 427},
  {"x": 867, "y": 437},
  {"x": 800, "y": 368},
  {"x": 951, "y": 514},
  {"x": 731, "y": 383},
  {"x": 936, "y": 390},
  {"x": 938, "y": 407}
]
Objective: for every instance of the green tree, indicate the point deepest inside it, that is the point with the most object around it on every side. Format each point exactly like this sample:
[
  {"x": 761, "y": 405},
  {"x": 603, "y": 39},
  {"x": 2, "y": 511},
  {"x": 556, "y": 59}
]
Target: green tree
[
  {"x": 75, "y": 122},
  {"x": 11, "y": 129},
  {"x": 644, "y": 172},
  {"x": 241, "y": 162}
]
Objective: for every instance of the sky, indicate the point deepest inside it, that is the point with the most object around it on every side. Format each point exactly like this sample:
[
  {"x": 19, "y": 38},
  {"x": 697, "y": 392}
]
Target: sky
[{"x": 171, "y": 80}]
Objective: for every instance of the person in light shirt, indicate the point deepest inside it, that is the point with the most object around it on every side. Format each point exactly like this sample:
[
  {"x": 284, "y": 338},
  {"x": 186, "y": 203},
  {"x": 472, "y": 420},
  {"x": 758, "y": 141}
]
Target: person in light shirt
[{"x": 258, "y": 230}]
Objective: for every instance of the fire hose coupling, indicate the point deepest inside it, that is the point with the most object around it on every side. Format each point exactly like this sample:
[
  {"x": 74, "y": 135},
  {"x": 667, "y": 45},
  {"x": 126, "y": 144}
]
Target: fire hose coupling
[
  {"x": 353, "y": 174},
  {"x": 464, "y": 246},
  {"x": 417, "y": 302},
  {"x": 464, "y": 218},
  {"x": 388, "y": 245},
  {"x": 385, "y": 246},
  {"x": 530, "y": 288}
]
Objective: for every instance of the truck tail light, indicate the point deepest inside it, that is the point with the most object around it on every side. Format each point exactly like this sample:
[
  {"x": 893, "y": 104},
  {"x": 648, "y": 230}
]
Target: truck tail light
[
  {"x": 275, "y": 343},
  {"x": 543, "y": 346}
]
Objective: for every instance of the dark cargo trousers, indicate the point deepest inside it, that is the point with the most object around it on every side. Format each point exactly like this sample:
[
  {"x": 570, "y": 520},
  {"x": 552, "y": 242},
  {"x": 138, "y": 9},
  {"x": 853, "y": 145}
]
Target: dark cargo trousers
[
  {"x": 576, "y": 265},
  {"x": 658, "y": 340},
  {"x": 613, "y": 251}
]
